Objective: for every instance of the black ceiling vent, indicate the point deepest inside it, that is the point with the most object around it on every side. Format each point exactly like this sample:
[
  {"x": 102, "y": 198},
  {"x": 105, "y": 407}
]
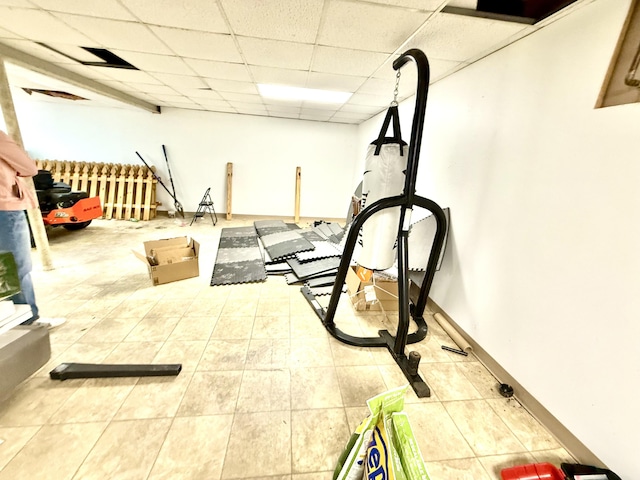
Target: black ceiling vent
[
  {"x": 54, "y": 93},
  {"x": 519, "y": 11},
  {"x": 109, "y": 59}
]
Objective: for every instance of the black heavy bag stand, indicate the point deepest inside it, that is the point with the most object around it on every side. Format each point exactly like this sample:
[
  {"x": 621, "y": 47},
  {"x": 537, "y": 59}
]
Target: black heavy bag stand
[{"x": 406, "y": 202}]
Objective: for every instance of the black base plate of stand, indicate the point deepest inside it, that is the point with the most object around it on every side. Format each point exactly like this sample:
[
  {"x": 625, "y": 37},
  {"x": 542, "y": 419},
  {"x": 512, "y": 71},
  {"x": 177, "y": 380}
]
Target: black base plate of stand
[
  {"x": 410, "y": 371},
  {"x": 65, "y": 371}
]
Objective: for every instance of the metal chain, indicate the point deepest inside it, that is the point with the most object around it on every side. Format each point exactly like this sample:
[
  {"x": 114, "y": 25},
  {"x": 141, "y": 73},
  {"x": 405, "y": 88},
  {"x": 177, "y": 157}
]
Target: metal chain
[{"x": 395, "y": 90}]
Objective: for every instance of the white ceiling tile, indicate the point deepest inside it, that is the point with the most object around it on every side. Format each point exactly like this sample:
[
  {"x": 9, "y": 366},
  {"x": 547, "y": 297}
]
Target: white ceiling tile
[
  {"x": 346, "y": 62},
  {"x": 199, "y": 93},
  {"x": 350, "y": 107},
  {"x": 231, "y": 86},
  {"x": 428, "y": 5},
  {"x": 41, "y": 26},
  {"x": 17, "y": 3},
  {"x": 331, "y": 81},
  {"x": 279, "y": 76},
  {"x": 132, "y": 76},
  {"x": 251, "y": 108},
  {"x": 370, "y": 100},
  {"x": 151, "y": 62},
  {"x": 211, "y": 102},
  {"x": 341, "y": 119},
  {"x": 241, "y": 97},
  {"x": 283, "y": 109},
  {"x": 282, "y": 103},
  {"x": 168, "y": 97},
  {"x": 195, "y": 44},
  {"x": 221, "y": 70},
  {"x": 319, "y": 106},
  {"x": 4, "y": 34},
  {"x": 276, "y": 53},
  {"x": 440, "y": 68},
  {"x": 39, "y": 51},
  {"x": 185, "y": 81},
  {"x": 93, "y": 8},
  {"x": 319, "y": 118},
  {"x": 95, "y": 73},
  {"x": 354, "y": 115},
  {"x": 116, "y": 34},
  {"x": 363, "y": 26},
  {"x": 149, "y": 88},
  {"x": 291, "y": 20},
  {"x": 285, "y": 115},
  {"x": 202, "y": 15},
  {"x": 458, "y": 37},
  {"x": 312, "y": 110}
]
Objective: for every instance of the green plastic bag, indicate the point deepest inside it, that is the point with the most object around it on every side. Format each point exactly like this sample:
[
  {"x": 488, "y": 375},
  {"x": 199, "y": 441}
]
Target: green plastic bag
[
  {"x": 352, "y": 462},
  {"x": 9, "y": 279}
]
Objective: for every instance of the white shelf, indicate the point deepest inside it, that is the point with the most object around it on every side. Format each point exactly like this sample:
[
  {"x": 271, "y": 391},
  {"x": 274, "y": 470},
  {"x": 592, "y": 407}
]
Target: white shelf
[{"x": 22, "y": 314}]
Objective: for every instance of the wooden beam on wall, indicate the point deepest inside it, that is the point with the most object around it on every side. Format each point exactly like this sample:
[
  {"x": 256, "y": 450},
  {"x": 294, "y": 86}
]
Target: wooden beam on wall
[
  {"x": 297, "y": 205},
  {"x": 229, "y": 188}
]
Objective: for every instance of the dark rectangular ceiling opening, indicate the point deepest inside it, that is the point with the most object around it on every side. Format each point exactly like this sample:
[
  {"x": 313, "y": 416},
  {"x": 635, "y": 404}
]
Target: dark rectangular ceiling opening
[
  {"x": 108, "y": 59},
  {"x": 519, "y": 11}
]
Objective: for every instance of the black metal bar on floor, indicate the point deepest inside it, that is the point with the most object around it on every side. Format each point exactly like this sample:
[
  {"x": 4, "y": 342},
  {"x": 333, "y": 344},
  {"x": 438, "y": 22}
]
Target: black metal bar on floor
[{"x": 66, "y": 371}]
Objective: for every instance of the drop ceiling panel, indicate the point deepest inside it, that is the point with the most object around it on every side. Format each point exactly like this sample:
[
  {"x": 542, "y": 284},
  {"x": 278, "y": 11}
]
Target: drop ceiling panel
[
  {"x": 364, "y": 26},
  {"x": 241, "y": 97},
  {"x": 93, "y": 8},
  {"x": 17, "y": 3},
  {"x": 279, "y": 76},
  {"x": 292, "y": 20},
  {"x": 115, "y": 34},
  {"x": 199, "y": 94},
  {"x": 425, "y": 5},
  {"x": 276, "y": 53},
  {"x": 5, "y": 34},
  {"x": 151, "y": 62},
  {"x": 39, "y": 51},
  {"x": 133, "y": 76},
  {"x": 446, "y": 36},
  {"x": 193, "y": 52},
  {"x": 330, "y": 81},
  {"x": 192, "y": 15},
  {"x": 184, "y": 81},
  {"x": 203, "y": 45},
  {"x": 231, "y": 86},
  {"x": 346, "y": 62},
  {"x": 221, "y": 70},
  {"x": 41, "y": 26},
  {"x": 212, "y": 102}
]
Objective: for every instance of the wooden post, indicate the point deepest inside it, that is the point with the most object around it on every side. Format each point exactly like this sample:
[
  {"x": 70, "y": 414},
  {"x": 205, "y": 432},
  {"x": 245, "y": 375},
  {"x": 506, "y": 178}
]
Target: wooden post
[
  {"x": 296, "y": 217},
  {"x": 13, "y": 130},
  {"x": 229, "y": 186}
]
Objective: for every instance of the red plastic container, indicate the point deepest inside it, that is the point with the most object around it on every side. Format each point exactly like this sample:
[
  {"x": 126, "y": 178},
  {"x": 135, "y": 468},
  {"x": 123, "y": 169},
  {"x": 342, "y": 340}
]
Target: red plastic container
[{"x": 533, "y": 471}]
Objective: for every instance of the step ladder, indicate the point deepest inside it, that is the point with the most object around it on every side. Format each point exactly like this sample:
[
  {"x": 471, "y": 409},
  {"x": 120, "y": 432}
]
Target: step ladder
[{"x": 205, "y": 206}]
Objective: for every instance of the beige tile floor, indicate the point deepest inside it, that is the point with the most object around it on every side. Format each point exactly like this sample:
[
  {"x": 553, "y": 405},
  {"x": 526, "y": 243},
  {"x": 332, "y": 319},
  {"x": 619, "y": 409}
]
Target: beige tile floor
[{"x": 264, "y": 393}]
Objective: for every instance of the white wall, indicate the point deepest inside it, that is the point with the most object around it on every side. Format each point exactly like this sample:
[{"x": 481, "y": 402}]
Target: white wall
[
  {"x": 543, "y": 264},
  {"x": 264, "y": 151}
]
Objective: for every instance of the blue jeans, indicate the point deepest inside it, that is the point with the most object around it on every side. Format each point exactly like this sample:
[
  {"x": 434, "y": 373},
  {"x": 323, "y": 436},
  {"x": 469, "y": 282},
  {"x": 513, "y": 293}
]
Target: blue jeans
[{"x": 15, "y": 238}]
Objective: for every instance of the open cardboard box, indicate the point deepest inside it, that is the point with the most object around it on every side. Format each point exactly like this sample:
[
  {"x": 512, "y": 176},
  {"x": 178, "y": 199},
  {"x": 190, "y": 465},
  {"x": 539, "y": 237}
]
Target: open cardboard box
[
  {"x": 171, "y": 259},
  {"x": 374, "y": 294}
]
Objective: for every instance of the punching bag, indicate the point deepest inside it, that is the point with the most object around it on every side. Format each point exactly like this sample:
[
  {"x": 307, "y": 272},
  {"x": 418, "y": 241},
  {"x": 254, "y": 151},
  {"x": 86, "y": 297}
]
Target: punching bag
[{"x": 384, "y": 176}]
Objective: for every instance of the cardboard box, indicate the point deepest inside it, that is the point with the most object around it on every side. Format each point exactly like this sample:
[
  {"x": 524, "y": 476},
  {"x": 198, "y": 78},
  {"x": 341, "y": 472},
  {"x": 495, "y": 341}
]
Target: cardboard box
[
  {"x": 171, "y": 259},
  {"x": 372, "y": 295}
]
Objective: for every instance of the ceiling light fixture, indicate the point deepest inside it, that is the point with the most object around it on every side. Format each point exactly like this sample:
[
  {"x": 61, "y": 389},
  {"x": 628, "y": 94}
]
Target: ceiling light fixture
[{"x": 284, "y": 92}]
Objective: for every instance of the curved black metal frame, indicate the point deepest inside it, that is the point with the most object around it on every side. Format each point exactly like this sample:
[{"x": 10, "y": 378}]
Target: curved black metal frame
[{"x": 406, "y": 202}]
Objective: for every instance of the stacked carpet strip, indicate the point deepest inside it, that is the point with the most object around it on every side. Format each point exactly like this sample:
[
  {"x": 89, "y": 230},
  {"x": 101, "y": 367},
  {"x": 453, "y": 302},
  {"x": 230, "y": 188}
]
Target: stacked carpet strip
[
  {"x": 279, "y": 240},
  {"x": 239, "y": 259}
]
